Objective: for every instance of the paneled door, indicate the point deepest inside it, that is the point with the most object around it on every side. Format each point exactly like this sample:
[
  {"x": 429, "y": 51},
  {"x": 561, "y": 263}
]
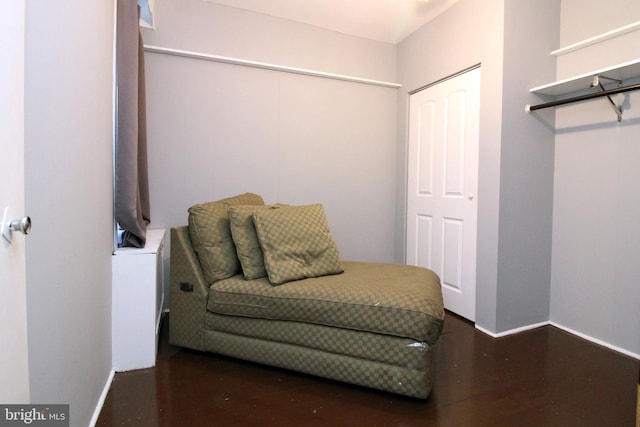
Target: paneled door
[
  {"x": 14, "y": 369},
  {"x": 442, "y": 200}
]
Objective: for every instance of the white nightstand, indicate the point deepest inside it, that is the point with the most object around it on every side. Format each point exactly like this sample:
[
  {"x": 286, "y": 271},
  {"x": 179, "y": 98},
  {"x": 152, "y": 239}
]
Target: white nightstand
[{"x": 137, "y": 298}]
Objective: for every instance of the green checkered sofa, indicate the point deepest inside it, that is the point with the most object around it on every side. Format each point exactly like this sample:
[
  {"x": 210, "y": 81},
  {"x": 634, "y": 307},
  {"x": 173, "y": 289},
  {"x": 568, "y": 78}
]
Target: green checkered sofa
[{"x": 266, "y": 284}]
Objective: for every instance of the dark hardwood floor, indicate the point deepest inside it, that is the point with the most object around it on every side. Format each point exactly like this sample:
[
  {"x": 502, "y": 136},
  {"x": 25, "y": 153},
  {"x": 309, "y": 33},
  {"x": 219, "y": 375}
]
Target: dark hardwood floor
[{"x": 543, "y": 377}]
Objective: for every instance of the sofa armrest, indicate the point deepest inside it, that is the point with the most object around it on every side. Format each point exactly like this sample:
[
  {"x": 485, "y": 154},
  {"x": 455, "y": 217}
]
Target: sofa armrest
[{"x": 189, "y": 292}]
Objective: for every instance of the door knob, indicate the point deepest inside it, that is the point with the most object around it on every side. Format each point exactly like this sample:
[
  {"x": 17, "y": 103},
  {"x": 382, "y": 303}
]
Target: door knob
[
  {"x": 7, "y": 227},
  {"x": 22, "y": 225}
]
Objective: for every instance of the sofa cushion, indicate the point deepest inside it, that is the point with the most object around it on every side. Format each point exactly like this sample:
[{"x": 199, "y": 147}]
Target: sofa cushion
[
  {"x": 393, "y": 299},
  {"x": 244, "y": 236},
  {"x": 384, "y": 348},
  {"x": 211, "y": 236},
  {"x": 296, "y": 243}
]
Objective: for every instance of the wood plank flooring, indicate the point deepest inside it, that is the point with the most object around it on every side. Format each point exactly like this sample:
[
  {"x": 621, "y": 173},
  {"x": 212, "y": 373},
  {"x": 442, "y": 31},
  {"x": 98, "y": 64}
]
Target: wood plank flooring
[{"x": 543, "y": 377}]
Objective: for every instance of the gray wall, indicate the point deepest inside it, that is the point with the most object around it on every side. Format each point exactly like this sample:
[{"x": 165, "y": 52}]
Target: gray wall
[
  {"x": 516, "y": 154},
  {"x": 267, "y": 132},
  {"x": 216, "y": 130},
  {"x": 596, "y": 239},
  {"x": 466, "y": 34},
  {"x": 68, "y": 180},
  {"x": 526, "y": 166}
]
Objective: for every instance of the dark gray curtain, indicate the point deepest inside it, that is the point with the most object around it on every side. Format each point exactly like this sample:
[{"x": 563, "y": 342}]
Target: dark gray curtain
[{"x": 131, "y": 173}]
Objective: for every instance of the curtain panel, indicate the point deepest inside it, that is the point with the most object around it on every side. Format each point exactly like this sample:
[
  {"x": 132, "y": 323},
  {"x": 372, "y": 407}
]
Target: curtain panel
[{"x": 132, "y": 209}]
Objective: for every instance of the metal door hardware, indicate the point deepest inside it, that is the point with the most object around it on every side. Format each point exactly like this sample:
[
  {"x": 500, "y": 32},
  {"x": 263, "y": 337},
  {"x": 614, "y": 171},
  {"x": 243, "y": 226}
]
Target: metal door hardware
[{"x": 7, "y": 226}]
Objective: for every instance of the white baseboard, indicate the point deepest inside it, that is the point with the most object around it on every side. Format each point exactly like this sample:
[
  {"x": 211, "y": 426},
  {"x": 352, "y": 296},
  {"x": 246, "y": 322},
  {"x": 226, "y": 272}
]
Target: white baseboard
[
  {"x": 564, "y": 328},
  {"x": 103, "y": 397},
  {"x": 597, "y": 341},
  {"x": 511, "y": 331}
]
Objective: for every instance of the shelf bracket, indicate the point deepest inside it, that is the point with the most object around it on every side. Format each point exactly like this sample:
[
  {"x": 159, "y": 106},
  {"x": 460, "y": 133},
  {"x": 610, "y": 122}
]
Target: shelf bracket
[{"x": 597, "y": 83}]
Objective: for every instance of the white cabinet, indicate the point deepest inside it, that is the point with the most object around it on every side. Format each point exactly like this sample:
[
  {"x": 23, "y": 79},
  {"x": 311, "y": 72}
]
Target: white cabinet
[{"x": 137, "y": 299}]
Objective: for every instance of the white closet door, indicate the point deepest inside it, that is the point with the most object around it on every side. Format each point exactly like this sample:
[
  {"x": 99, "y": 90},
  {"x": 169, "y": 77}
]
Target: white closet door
[
  {"x": 442, "y": 202},
  {"x": 14, "y": 365}
]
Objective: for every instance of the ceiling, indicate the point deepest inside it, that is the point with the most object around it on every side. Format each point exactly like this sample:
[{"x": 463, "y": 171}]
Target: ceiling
[{"x": 383, "y": 20}]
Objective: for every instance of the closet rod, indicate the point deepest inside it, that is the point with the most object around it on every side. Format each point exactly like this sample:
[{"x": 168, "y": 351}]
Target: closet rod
[
  {"x": 267, "y": 66},
  {"x": 586, "y": 97}
]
